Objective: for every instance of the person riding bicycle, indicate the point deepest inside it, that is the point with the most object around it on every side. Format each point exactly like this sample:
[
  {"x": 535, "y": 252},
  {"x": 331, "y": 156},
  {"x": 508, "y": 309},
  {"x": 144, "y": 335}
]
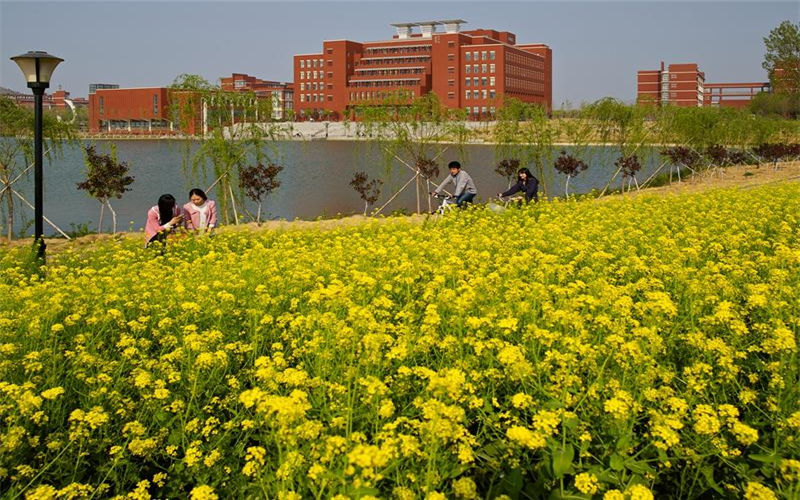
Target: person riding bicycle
[
  {"x": 465, "y": 187},
  {"x": 526, "y": 183}
]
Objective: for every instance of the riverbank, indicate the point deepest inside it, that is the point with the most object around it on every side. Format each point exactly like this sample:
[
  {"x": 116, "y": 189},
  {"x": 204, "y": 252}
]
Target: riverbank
[{"x": 741, "y": 177}]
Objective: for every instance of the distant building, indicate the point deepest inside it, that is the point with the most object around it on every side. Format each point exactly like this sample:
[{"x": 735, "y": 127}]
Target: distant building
[
  {"x": 93, "y": 87},
  {"x": 131, "y": 111},
  {"x": 471, "y": 70},
  {"x": 56, "y": 100},
  {"x": 684, "y": 85},
  {"x": 281, "y": 93}
]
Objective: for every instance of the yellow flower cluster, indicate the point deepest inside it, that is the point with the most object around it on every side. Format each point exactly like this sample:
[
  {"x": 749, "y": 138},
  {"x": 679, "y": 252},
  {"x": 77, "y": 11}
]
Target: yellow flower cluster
[{"x": 629, "y": 348}]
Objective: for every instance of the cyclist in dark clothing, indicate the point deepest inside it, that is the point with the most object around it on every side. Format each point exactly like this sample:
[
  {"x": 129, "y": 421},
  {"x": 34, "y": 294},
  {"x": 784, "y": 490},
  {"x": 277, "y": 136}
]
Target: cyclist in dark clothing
[{"x": 526, "y": 183}]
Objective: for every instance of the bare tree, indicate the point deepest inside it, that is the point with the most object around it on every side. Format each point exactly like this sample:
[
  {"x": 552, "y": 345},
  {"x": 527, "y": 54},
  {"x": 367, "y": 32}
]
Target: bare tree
[
  {"x": 368, "y": 190},
  {"x": 258, "y": 181},
  {"x": 106, "y": 178}
]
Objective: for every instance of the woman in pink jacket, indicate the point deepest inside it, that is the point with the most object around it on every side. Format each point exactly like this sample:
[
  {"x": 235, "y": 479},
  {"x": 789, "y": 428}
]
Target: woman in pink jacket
[
  {"x": 200, "y": 213},
  {"x": 161, "y": 219}
]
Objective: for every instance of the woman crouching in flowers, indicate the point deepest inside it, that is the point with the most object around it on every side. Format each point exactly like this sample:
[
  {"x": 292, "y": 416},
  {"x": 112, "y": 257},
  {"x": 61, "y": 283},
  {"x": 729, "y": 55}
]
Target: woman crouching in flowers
[
  {"x": 200, "y": 212},
  {"x": 161, "y": 219}
]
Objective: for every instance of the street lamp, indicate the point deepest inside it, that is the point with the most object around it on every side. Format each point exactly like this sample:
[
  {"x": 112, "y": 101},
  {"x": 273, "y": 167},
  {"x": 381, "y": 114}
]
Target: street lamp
[{"x": 38, "y": 67}]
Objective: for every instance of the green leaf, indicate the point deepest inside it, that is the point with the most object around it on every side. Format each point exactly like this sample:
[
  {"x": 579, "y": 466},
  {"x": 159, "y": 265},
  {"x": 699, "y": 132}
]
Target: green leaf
[
  {"x": 708, "y": 473},
  {"x": 638, "y": 467},
  {"x": 562, "y": 460},
  {"x": 617, "y": 463},
  {"x": 512, "y": 483},
  {"x": 769, "y": 459}
]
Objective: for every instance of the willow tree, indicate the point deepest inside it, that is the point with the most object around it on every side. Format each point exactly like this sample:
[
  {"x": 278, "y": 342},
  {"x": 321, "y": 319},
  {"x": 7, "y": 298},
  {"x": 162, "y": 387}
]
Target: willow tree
[
  {"x": 16, "y": 153},
  {"x": 232, "y": 130},
  {"x": 524, "y": 132},
  {"x": 622, "y": 126},
  {"x": 416, "y": 132}
]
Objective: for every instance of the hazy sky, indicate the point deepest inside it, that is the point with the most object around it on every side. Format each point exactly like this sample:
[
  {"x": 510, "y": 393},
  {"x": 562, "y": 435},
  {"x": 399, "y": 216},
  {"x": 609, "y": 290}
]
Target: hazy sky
[{"x": 597, "y": 46}]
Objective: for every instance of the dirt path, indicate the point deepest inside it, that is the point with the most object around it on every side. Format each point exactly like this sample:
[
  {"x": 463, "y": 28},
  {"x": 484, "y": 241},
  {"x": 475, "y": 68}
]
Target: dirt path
[{"x": 743, "y": 177}]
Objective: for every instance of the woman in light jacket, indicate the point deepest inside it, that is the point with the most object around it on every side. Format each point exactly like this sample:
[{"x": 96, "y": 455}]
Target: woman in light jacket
[
  {"x": 200, "y": 213},
  {"x": 161, "y": 219}
]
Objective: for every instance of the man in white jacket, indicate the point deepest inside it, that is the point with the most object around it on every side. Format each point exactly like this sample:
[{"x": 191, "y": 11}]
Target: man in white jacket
[{"x": 465, "y": 188}]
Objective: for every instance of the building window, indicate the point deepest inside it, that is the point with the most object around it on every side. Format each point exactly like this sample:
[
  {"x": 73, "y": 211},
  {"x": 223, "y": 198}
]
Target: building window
[
  {"x": 483, "y": 81},
  {"x": 476, "y": 94},
  {"x": 302, "y": 98},
  {"x": 330, "y": 74},
  {"x": 491, "y": 96},
  {"x": 491, "y": 81},
  {"x": 468, "y": 56},
  {"x": 330, "y": 97},
  {"x": 330, "y": 86},
  {"x": 451, "y": 69},
  {"x": 483, "y": 68},
  {"x": 467, "y": 82},
  {"x": 491, "y": 67},
  {"x": 155, "y": 104},
  {"x": 483, "y": 93},
  {"x": 467, "y": 94},
  {"x": 468, "y": 69},
  {"x": 475, "y": 81},
  {"x": 330, "y": 62},
  {"x": 451, "y": 57},
  {"x": 302, "y": 63},
  {"x": 491, "y": 56},
  {"x": 475, "y": 110},
  {"x": 483, "y": 109},
  {"x": 475, "y": 55},
  {"x": 451, "y": 44},
  {"x": 483, "y": 55},
  {"x": 451, "y": 95},
  {"x": 451, "y": 83},
  {"x": 101, "y": 105},
  {"x": 302, "y": 86},
  {"x": 302, "y": 75},
  {"x": 329, "y": 51},
  {"x": 475, "y": 68},
  {"x": 316, "y": 74}
]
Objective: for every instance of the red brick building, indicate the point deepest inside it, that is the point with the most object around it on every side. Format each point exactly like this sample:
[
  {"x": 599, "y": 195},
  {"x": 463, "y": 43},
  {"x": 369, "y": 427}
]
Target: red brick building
[
  {"x": 130, "y": 111},
  {"x": 465, "y": 69},
  {"x": 678, "y": 85},
  {"x": 685, "y": 85},
  {"x": 282, "y": 93}
]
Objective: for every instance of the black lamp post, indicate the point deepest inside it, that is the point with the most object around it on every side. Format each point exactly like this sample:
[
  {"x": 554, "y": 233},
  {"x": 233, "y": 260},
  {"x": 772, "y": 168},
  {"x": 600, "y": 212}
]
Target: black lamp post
[{"x": 38, "y": 67}]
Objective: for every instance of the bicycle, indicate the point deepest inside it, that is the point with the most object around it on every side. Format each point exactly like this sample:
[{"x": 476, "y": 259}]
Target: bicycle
[{"x": 448, "y": 204}]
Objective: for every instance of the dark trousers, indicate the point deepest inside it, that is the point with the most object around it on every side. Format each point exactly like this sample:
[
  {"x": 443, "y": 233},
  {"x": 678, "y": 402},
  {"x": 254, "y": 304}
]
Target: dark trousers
[{"x": 464, "y": 198}]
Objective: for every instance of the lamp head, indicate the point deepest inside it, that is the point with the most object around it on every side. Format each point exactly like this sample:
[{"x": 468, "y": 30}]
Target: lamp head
[{"x": 38, "y": 67}]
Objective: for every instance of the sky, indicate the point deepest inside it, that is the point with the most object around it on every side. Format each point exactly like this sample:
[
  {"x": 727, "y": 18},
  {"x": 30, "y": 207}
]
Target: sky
[{"x": 597, "y": 45}]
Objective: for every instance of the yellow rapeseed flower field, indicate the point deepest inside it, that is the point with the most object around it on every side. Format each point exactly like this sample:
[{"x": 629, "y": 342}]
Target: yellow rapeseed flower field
[{"x": 628, "y": 348}]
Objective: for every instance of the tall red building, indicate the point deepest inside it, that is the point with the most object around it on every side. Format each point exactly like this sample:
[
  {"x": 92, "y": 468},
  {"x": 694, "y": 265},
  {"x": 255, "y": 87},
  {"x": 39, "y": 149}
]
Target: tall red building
[
  {"x": 685, "y": 85},
  {"x": 678, "y": 85},
  {"x": 465, "y": 69}
]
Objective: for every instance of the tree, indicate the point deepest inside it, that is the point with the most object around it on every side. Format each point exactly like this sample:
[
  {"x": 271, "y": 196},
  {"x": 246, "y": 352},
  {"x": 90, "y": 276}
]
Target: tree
[
  {"x": 106, "y": 178},
  {"x": 16, "y": 151},
  {"x": 507, "y": 168},
  {"x": 782, "y": 57},
  {"x": 368, "y": 190},
  {"x": 624, "y": 126},
  {"x": 234, "y": 129},
  {"x": 258, "y": 181},
  {"x": 630, "y": 166},
  {"x": 524, "y": 132},
  {"x": 569, "y": 166},
  {"x": 413, "y": 131}
]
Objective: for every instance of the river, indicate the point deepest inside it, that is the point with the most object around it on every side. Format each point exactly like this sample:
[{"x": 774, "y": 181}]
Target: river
[{"x": 314, "y": 182}]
